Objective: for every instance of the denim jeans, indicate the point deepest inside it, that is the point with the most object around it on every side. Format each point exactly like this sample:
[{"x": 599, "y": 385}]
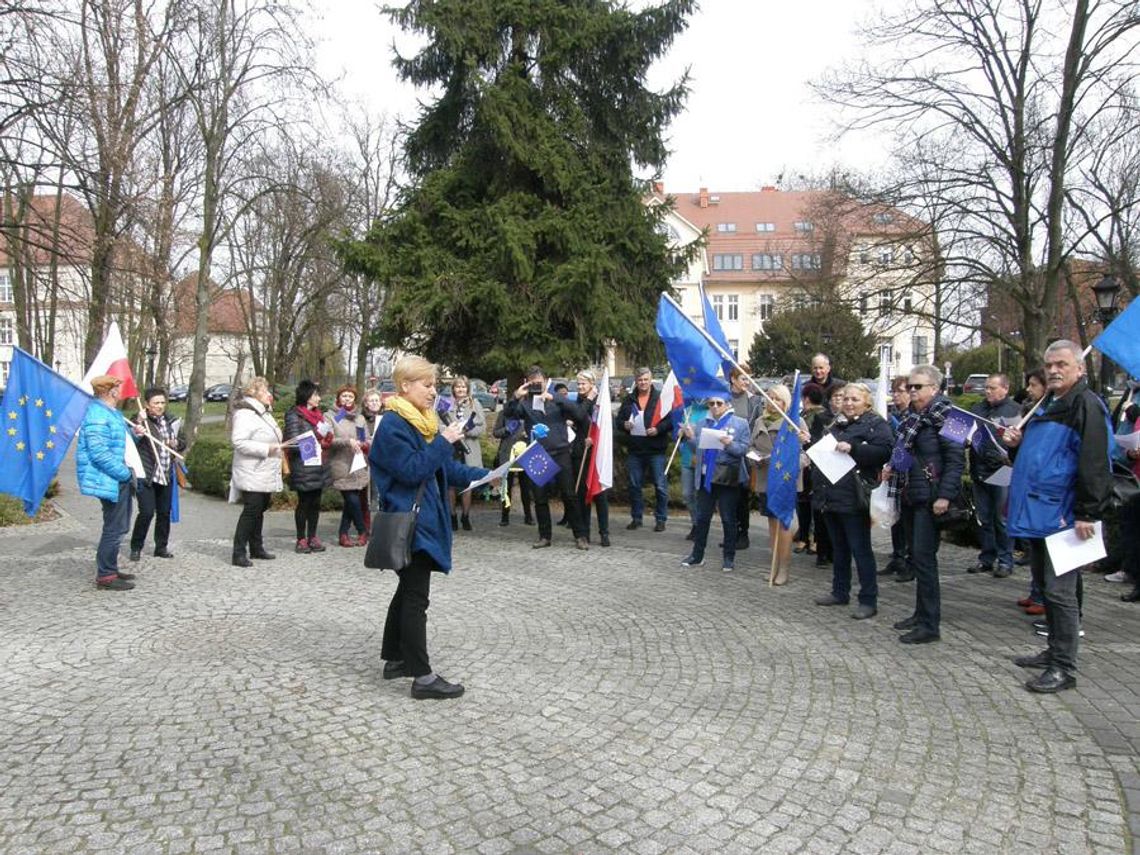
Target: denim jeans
[
  {"x": 724, "y": 499},
  {"x": 352, "y": 514},
  {"x": 116, "y": 523},
  {"x": 925, "y": 540},
  {"x": 851, "y": 537},
  {"x": 989, "y": 502},
  {"x": 637, "y": 464},
  {"x": 1062, "y": 609}
]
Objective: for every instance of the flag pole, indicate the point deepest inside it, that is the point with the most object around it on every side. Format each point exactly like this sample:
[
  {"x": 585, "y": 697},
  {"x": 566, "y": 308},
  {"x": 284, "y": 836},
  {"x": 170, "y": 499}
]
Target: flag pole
[
  {"x": 727, "y": 357},
  {"x": 680, "y": 436},
  {"x": 149, "y": 436},
  {"x": 582, "y": 467}
]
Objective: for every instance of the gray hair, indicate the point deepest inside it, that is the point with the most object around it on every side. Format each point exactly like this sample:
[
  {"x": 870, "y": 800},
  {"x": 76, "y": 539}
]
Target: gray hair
[
  {"x": 643, "y": 370},
  {"x": 932, "y": 374},
  {"x": 1065, "y": 344}
]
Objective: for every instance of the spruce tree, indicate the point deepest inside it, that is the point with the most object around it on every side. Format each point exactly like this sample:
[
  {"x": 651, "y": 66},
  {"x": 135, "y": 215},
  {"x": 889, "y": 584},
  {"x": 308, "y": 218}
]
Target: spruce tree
[{"x": 524, "y": 235}]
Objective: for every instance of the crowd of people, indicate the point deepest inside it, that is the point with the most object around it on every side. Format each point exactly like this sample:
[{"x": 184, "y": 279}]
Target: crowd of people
[{"x": 418, "y": 449}]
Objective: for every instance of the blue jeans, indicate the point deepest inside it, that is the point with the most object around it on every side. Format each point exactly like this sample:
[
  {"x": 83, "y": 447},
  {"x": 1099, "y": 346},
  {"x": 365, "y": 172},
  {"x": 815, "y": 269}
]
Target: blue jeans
[
  {"x": 688, "y": 491},
  {"x": 352, "y": 514},
  {"x": 636, "y": 464},
  {"x": 724, "y": 499},
  {"x": 925, "y": 540},
  {"x": 989, "y": 502},
  {"x": 851, "y": 537},
  {"x": 116, "y": 523}
]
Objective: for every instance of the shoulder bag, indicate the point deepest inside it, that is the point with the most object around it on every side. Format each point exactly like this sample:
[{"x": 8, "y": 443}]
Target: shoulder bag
[{"x": 390, "y": 545}]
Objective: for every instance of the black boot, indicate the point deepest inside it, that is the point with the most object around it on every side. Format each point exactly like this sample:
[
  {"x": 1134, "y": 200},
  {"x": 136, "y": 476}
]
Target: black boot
[
  {"x": 506, "y": 520},
  {"x": 466, "y": 522},
  {"x": 454, "y": 523}
]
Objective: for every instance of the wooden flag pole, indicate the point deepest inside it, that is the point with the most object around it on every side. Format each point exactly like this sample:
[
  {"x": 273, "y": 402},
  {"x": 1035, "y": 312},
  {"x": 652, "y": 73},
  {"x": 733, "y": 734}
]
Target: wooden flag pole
[{"x": 680, "y": 436}]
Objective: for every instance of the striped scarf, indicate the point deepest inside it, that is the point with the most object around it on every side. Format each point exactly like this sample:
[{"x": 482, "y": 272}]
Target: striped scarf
[{"x": 902, "y": 457}]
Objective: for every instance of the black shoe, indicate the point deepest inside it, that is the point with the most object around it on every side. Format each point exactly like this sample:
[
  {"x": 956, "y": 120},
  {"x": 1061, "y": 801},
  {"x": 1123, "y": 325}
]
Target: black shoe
[
  {"x": 906, "y": 623},
  {"x": 136, "y": 554},
  {"x": 1000, "y": 572},
  {"x": 1037, "y": 660},
  {"x": 506, "y": 520},
  {"x": 541, "y": 543},
  {"x": 893, "y": 566},
  {"x": 394, "y": 670},
  {"x": 659, "y": 526},
  {"x": 465, "y": 521},
  {"x": 242, "y": 561},
  {"x": 528, "y": 520},
  {"x": 830, "y": 600},
  {"x": 919, "y": 635},
  {"x": 604, "y": 539},
  {"x": 438, "y": 689},
  {"x": 979, "y": 567},
  {"x": 127, "y": 576},
  {"x": 863, "y": 611},
  {"x": 261, "y": 555},
  {"x": 1051, "y": 680},
  {"x": 1132, "y": 596},
  {"x": 119, "y": 584},
  {"x": 563, "y": 522},
  {"x": 633, "y": 524},
  {"x": 692, "y": 533},
  {"x": 822, "y": 560},
  {"x": 163, "y": 553},
  {"x": 905, "y": 577},
  {"x": 741, "y": 542}
]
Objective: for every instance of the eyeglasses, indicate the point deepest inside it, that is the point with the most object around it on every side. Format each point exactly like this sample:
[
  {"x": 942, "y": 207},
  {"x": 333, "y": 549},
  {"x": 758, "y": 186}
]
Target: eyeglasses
[
  {"x": 914, "y": 387},
  {"x": 717, "y": 403}
]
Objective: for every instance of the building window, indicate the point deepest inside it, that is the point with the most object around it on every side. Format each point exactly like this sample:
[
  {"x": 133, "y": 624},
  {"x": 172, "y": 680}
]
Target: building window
[
  {"x": 5, "y": 368},
  {"x": 5, "y": 289},
  {"x": 886, "y": 256},
  {"x": 767, "y": 306},
  {"x": 864, "y": 256},
  {"x": 734, "y": 346},
  {"x": 7, "y": 334},
  {"x": 806, "y": 261},
  {"x": 765, "y": 227},
  {"x": 803, "y": 226},
  {"x": 919, "y": 348},
  {"x": 733, "y": 307},
  {"x": 718, "y": 306},
  {"x": 728, "y": 262},
  {"x": 726, "y": 228},
  {"x": 908, "y": 256},
  {"x": 884, "y": 304},
  {"x": 863, "y": 304},
  {"x": 883, "y": 218},
  {"x": 767, "y": 261},
  {"x": 907, "y": 305}
]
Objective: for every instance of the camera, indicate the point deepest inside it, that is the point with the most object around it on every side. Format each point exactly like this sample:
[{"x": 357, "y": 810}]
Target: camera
[{"x": 534, "y": 388}]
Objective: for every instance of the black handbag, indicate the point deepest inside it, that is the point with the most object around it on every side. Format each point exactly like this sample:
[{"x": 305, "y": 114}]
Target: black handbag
[
  {"x": 390, "y": 545},
  {"x": 862, "y": 492},
  {"x": 726, "y": 474},
  {"x": 1125, "y": 485}
]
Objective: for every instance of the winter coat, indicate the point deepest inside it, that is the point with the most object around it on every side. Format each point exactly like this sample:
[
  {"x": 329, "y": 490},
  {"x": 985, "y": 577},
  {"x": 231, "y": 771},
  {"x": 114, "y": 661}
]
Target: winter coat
[
  {"x": 644, "y": 446},
  {"x": 351, "y": 427},
  {"x": 938, "y": 467},
  {"x": 254, "y": 432},
  {"x": 731, "y": 454},
  {"x": 146, "y": 450},
  {"x": 871, "y": 442},
  {"x": 407, "y": 460},
  {"x": 304, "y": 478},
  {"x": 764, "y": 433},
  {"x": 990, "y": 458},
  {"x": 1061, "y": 468},
  {"x": 507, "y": 437},
  {"x": 555, "y": 413},
  {"x": 99, "y": 461},
  {"x": 461, "y": 413}
]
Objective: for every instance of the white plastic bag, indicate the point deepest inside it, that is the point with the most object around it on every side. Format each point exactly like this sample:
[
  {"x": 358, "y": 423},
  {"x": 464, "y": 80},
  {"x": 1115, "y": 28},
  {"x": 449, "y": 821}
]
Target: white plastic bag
[{"x": 884, "y": 513}]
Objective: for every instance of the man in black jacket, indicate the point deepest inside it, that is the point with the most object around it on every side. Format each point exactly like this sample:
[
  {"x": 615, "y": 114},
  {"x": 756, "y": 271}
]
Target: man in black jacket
[
  {"x": 533, "y": 405},
  {"x": 648, "y": 445},
  {"x": 986, "y": 458}
]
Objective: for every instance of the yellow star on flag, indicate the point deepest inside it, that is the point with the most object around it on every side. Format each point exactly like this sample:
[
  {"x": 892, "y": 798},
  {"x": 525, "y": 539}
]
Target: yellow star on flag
[
  {"x": 51, "y": 428},
  {"x": 12, "y": 414},
  {"x": 39, "y": 402},
  {"x": 39, "y": 455},
  {"x": 20, "y": 446},
  {"x": 47, "y": 413},
  {"x": 787, "y": 476},
  {"x": 49, "y": 444},
  {"x": 11, "y": 431},
  {"x": 23, "y": 400}
]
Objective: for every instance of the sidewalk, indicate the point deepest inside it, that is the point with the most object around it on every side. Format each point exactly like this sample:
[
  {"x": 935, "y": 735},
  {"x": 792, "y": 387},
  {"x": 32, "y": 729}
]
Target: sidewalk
[{"x": 616, "y": 702}]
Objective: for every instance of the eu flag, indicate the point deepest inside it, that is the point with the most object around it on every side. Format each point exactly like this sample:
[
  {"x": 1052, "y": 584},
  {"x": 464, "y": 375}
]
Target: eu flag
[
  {"x": 713, "y": 328},
  {"x": 784, "y": 466},
  {"x": 693, "y": 358},
  {"x": 960, "y": 427},
  {"x": 1120, "y": 340},
  {"x": 42, "y": 413},
  {"x": 538, "y": 464}
]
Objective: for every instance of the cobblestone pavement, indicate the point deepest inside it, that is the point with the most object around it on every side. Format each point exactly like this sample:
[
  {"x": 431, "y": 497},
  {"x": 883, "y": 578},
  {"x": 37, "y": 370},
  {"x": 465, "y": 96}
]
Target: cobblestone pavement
[{"x": 615, "y": 702}]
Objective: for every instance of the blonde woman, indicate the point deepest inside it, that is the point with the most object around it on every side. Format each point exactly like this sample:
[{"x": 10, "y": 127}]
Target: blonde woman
[
  {"x": 256, "y": 472},
  {"x": 764, "y": 432}
]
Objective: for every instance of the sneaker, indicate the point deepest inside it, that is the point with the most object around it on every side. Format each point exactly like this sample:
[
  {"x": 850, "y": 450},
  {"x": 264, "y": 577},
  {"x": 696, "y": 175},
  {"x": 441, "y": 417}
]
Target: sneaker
[
  {"x": 163, "y": 553},
  {"x": 692, "y": 562},
  {"x": 659, "y": 525},
  {"x": 830, "y": 600},
  {"x": 1043, "y": 631},
  {"x": 633, "y": 524},
  {"x": 864, "y": 611},
  {"x": 727, "y": 568},
  {"x": 1001, "y": 571},
  {"x": 581, "y": 543},
  {"x": 136, "y": 555},
  {"x": 1118, "y": 576},
  {"x": 302, "y": 546},
  {"x": 116, "y": 584},
  {"x": 362, "y": 539},
  {"x": 980, "y": 567},
  {"x": 315, "y": 544},
  {"x": 345, "y": 540}
]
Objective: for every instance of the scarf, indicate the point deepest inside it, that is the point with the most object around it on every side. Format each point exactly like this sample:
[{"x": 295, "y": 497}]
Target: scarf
[
  {"x": 313, "y": 417},
  {"x": 708, "y": 459},
  {"x": 902, "y": 456},
  {"x": 423, "y": 421}
]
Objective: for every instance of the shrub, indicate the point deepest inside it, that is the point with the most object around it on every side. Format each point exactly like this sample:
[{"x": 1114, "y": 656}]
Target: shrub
[{"x": 209, "y": 463}]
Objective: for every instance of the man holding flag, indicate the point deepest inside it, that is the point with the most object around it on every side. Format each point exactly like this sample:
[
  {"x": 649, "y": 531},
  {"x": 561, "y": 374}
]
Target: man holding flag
[{"x": 648, "y": 438}]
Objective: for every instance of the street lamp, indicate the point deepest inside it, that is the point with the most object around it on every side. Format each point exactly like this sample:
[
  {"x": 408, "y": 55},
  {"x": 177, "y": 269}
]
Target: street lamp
[
  {"x": 151, "y": 353},
  {"x": 1105, "y": 292}
]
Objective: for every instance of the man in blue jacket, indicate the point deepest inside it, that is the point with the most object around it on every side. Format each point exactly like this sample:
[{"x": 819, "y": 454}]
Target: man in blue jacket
[
  {"x": 1061, "y": 480},
  {"x": 104, "y": 474}
]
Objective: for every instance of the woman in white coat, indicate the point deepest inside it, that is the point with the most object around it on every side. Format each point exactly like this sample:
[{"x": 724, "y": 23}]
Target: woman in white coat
[{"x": 256, "y": 472}]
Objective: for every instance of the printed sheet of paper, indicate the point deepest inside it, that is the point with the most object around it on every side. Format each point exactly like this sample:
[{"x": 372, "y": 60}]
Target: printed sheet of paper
[
  {"x": 537, "y": 402},
  {"x": 1002, "y": 477},
  {"x": 833, "y": 464},
  {"x": 497, "y": 472},
  {"x": 1067, "y": 552},
  {"x": 710, "y": 438},
  {"x": 638, "y": 420}
]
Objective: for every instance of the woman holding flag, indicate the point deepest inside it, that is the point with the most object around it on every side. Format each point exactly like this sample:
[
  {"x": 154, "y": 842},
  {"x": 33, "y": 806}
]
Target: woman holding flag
[{"x": 581, "y": 451}]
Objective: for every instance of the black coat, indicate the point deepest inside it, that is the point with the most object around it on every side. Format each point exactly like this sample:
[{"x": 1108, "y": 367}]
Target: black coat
[
  {"x": 645, "y": 446},
  {"x": 990, "y": 459},
  {"x": 871, "y": 442},
  {"x": 938, "y": 467},
  {"x": 556, "y": 412},
  {"x": 304, "y": 478}
]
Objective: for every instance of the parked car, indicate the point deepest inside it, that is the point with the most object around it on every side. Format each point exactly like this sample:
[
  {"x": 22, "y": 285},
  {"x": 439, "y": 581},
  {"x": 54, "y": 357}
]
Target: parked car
[
  {"x": 479, "y": 391},
  {"x": 499, "y": 390},
  {"x": 975, "y": 384},
  {"x": 177, "y": 393},
  {"x": 219, "y": 392},
  {"x": 387, "y": 389}
]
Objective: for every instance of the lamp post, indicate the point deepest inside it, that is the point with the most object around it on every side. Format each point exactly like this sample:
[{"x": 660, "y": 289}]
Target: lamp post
[
  {"x": 1105, "y": 292},
  {"x": 151, "y": 353}
]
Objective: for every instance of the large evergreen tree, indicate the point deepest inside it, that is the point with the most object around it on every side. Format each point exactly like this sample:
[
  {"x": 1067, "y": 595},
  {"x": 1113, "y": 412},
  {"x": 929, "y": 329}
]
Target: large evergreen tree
[
  {"x": 792, "y": 337},
  {"x": 524, "y": 235}
]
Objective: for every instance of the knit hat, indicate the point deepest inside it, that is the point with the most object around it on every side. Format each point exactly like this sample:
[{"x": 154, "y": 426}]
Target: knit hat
[{"x": 104, "y": 383}]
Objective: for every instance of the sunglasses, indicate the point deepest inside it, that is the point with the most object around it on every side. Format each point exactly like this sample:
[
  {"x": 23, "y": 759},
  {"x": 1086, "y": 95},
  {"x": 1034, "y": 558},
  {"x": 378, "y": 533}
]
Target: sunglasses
[
  {"x": 914, "y": 387},
  {"x": 717, "y": 404}
]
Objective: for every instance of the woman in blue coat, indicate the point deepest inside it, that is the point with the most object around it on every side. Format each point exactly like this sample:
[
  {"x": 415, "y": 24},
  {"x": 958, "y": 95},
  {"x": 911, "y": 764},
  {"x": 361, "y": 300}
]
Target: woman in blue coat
[{"x": 411, "y": 449}]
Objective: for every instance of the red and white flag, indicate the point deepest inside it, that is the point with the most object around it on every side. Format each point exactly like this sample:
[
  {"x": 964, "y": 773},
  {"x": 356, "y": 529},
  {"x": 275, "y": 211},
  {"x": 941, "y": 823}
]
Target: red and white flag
[
  {"x": 671, "y": 399},
  {"x": 112, "y": 359},
  {"x": 601, "y": 475}
]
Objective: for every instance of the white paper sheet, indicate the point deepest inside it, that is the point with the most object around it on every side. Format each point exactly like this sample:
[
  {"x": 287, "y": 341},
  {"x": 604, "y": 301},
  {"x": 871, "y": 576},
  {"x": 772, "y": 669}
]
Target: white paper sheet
[
  {"x": 1128, "y": 441},
  {"x": 1067, "y": 552},
  {"x": 358, "y": 463},
  {"x": 497, "y": 472},
  {"x": 833, "y": 464},
  {"x": 710, "y": 438},
  {"x": 570, "y": 435},
  {"x": 755, "y": 456},
  {"x": 1002, "y": 477},
  {"x": 638, "y": 428},
  {"x": 537, "y": 402}
]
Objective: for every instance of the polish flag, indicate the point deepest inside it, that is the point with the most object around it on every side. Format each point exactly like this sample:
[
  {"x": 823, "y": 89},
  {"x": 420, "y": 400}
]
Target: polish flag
[
  {"x": 601, "y": 474},
  {"x": 671, "y": 399},
  {"x": 112, "y": 359}
]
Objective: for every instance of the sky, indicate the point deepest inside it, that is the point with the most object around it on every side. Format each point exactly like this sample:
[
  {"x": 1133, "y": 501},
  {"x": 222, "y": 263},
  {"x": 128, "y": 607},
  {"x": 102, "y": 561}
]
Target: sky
[{"x": 750, "y": 116}]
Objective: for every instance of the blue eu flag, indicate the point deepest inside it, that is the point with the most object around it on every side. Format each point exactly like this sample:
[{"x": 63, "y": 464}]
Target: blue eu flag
[
  {"x": 538, "y": 464},
  {"x": 713, "y": 328},
  {"x": 784, "y": 466},
  {"x": 1120, "y": 340},
  {"x": 693, "y": 359},
  {"x": 42, "y": 413}
]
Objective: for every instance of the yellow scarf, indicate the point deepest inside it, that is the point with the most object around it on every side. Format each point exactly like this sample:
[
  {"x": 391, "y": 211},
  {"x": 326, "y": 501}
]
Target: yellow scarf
[{"x": 422, "y": 420}]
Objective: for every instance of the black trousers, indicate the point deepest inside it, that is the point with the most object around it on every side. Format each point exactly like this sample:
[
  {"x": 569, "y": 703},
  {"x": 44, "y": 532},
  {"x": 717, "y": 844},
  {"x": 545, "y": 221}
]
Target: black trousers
[
  {"x": 561, "y": 485},
  {"x": 405, "y": 630},
  {"x": 307, "y": 513},
  {"x": 601, "y": 503},
  {"x": 250, "y": 523},
  {"x": 154, "y": 504}
]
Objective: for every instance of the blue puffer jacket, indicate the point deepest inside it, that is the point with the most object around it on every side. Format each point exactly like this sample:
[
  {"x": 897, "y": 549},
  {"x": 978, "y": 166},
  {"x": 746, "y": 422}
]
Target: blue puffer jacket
[
  {"x": 1061, "y": 469},
  {"x": 401, "y": 459},
  {"x": 99, "y": 455}
]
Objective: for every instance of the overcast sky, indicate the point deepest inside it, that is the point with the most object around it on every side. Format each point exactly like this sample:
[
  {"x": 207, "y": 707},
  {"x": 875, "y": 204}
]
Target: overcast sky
[{"x": 750, "y": 115}]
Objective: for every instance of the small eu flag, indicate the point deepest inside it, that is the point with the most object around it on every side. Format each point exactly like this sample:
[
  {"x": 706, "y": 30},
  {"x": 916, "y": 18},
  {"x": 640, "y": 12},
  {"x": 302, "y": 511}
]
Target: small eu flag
[
  {"x": 959, "y": 427},
  {"x": 539, "y": 465},
  {"x": 42, "y": 413}
]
